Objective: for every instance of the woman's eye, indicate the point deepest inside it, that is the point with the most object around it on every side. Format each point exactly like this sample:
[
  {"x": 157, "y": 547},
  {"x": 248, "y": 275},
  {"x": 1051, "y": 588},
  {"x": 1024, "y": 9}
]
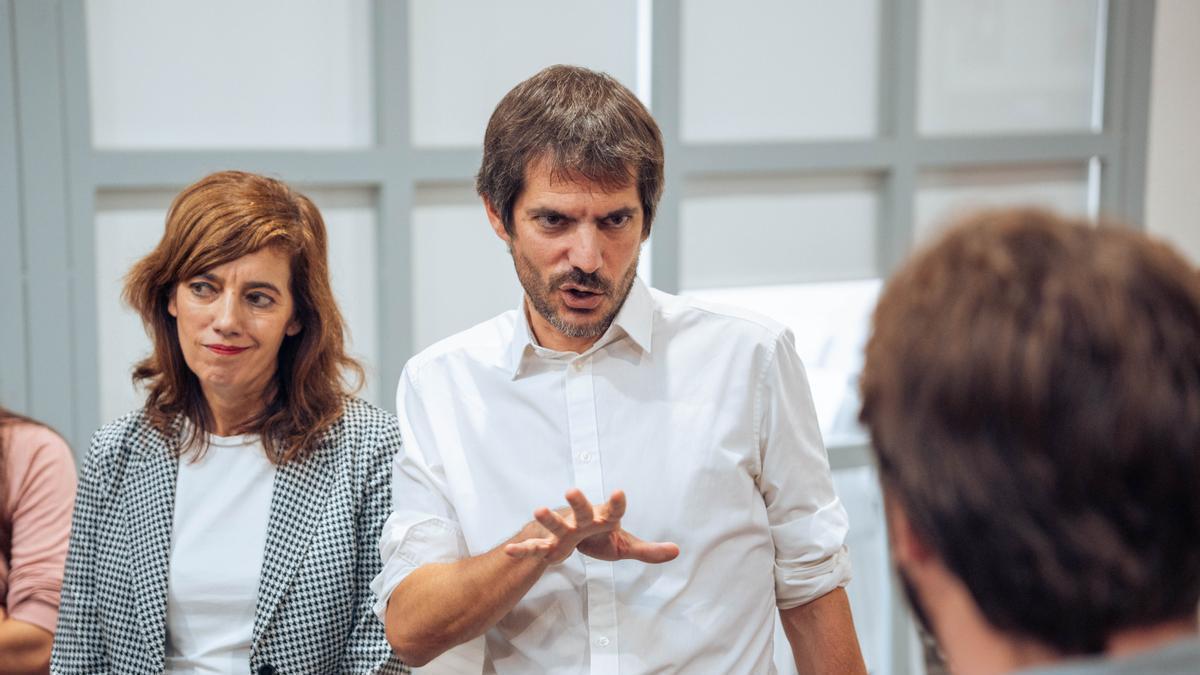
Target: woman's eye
[
  {"x": 260, "y": 300},
  {"x": 202, "y": 289}
]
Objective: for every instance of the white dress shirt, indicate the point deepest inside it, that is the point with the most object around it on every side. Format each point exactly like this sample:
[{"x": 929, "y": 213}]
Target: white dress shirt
[
  {"x": 222, "y": 505},
  {"x": 701, "y": 414}
]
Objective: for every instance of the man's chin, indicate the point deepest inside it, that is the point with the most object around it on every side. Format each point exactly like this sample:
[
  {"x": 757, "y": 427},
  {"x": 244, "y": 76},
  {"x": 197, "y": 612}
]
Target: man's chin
[
  {"x": 582, "y": 330},
  {"x": 581, "y": 323}
]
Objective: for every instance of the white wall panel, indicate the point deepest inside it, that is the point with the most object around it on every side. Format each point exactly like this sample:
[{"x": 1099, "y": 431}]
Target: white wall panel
[
  {"x": 224, "y": 73},
  {"x": 754, "y": 230},
  {"x": 1172, "y": 200},
  {"x": 128, "y": 226},
  {"x": 465, "y": 55},
  {"x": 943, "y": 195},
  {"x": 780, "y": 69},
  {"x": 352, "y": 223},
  {"x": 992, "y": 66},
  {"x": 463, "y": 272}
]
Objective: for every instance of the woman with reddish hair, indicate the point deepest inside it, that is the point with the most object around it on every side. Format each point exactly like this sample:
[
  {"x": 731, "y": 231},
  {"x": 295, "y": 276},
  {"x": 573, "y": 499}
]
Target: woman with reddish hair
[{"x": 231, "y": 524}]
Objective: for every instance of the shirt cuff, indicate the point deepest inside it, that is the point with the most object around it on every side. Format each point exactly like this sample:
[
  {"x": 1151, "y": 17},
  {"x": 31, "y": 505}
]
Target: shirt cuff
[
  {"x": 801, "y": 586},
  {"x": 407, "y": 542},
  {"x": 38, "y": 612}
]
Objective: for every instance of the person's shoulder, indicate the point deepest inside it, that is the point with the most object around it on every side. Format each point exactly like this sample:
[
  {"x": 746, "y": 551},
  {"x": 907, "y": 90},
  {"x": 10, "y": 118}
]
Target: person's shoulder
[
  {"x": 116, "y": 439},
  {"x": 365, "y": 434},
  {"x": 366, "y": 416},
  {"x": 33, "y": 448},
  {"x": 367, "y": 425},
  {"x": 116, "y": 443},
  {"x": 486, "y": 343},
  {"x": 689, "y": 315},
  {"x": 29, "y": 437}
]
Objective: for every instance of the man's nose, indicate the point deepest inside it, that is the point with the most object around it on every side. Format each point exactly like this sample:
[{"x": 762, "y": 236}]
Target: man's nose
[{"x": 586, "y": 253}]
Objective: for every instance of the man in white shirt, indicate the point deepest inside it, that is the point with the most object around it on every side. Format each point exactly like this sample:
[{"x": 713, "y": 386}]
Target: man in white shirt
[{"x": 604, "y": 392}]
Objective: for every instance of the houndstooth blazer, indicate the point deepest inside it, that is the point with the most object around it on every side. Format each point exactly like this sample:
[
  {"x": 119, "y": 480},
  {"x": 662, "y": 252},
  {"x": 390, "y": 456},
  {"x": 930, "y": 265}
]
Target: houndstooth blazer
[{"x": 314, "y": 601}]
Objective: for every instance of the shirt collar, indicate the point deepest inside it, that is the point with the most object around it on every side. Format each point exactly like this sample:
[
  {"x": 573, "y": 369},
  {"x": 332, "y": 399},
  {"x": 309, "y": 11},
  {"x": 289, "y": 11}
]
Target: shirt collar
[{"x": 635, "y": 320}]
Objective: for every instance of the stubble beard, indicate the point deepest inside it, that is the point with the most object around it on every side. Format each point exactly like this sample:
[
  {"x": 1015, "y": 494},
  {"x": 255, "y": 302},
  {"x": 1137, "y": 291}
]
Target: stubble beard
[{"x": 541, "y": 295}]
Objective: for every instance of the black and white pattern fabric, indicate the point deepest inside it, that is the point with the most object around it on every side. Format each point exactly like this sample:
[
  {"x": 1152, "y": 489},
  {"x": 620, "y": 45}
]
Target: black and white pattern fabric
[{"x": 314, "y": 602}]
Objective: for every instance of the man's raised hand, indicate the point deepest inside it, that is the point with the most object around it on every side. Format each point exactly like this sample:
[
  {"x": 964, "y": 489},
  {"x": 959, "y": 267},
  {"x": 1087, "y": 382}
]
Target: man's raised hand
[{"x": 596, "y": 532}]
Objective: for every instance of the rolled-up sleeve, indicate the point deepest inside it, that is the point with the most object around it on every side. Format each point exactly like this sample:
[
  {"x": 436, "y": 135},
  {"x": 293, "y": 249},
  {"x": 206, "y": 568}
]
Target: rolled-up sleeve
[
  {"x": 423, "y": 527},
  {"x": 808, "y": 522}
]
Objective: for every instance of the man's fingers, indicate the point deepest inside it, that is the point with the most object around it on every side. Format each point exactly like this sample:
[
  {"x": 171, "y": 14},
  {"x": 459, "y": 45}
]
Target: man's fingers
[
  {"x": 616, "y": 506},
  {"x": 551, "y": 521},
  {"x": 648, "y": 551},
  {"x": 581, "y": 507}
]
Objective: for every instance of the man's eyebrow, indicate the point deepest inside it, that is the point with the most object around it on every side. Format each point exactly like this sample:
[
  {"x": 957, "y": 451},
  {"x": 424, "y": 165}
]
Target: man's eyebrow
[
  {"x": 539, "y": 211},
  {"x": 624, "y": 211}
]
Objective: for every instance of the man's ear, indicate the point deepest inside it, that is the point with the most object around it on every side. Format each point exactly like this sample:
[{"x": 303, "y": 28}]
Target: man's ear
[
  {"x": 908, "y": 548},
  {"x": 496, "y": 221}
]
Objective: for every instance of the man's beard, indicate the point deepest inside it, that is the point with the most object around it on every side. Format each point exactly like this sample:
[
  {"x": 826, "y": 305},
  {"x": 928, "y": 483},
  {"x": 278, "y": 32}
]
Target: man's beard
[{"x": 541, "y": 295}]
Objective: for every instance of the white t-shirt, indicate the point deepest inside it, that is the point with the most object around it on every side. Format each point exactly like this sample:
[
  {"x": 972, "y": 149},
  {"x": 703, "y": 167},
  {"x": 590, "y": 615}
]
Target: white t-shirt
[{"x": 222, "y": 503}]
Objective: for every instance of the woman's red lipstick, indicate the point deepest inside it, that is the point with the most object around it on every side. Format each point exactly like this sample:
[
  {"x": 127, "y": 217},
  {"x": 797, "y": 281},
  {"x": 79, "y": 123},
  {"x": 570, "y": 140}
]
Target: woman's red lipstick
[{"x": 225, "y": 350}]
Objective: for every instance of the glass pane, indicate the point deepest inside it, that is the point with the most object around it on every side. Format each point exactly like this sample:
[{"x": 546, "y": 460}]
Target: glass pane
[
  {"x": 779, "y": 69},
  {"x": 466, "y": 55},
  {"x": 755, "y": 230},
  {"x": 463, "y": 273},
  {"x": 352, "y": 223},
  {"x": 870, "y": 598},
  {"x": 943, "y": 195},
  {"x": 830, "y": 321},
  {"x": 992, "y": 66},
  {"x": 267, "y": 74},
  {"x": 129, "y": 224}
]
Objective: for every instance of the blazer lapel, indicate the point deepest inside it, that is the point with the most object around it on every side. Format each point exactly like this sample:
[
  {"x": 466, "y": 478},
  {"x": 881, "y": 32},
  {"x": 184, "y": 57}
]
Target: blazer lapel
[
  {"x": 149, "y": 495},
  {"x": 297, "y": 503}
]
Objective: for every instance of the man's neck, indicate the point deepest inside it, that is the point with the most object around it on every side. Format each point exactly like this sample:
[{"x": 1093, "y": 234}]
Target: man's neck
[
  {"x": 973, "y": 647},
  {"x": 1130, "y": 642},
  {"x": 550, "y": 337}
]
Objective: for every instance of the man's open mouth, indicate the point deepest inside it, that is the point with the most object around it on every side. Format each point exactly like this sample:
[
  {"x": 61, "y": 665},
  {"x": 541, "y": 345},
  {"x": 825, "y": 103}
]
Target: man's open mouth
[{"x": 581, "y": 292}]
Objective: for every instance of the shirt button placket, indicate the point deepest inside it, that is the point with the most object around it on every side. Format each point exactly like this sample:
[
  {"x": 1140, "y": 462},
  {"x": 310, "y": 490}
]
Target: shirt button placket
[{"x": 585, "y": 451}]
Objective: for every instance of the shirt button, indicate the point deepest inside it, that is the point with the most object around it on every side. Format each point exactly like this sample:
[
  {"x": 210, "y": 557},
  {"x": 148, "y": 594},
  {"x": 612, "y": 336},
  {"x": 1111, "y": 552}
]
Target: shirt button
[
  {"x": 602, "y": 642},
  {"x": 579, "y": 364},
  {"x": 585, "y": 456}
]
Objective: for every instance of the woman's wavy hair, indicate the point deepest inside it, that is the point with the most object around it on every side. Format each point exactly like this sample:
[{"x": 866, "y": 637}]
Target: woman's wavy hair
[{"x": 216, "y": 220}]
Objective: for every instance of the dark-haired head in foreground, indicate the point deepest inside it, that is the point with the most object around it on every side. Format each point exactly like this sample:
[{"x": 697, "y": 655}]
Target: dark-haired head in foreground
[{"x": 1032, "y": 389}]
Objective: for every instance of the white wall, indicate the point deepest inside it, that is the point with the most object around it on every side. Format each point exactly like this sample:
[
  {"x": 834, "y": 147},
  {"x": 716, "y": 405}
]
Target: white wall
[{"x": 1173, "y": 162}]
